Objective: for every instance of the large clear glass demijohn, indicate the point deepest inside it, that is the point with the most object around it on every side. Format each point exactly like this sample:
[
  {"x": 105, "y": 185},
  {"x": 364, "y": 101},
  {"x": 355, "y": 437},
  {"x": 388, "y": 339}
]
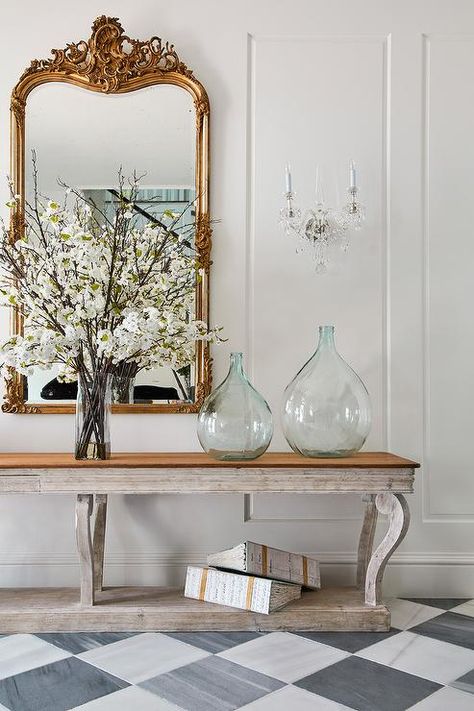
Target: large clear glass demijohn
[{"x": 326, "y": 408}]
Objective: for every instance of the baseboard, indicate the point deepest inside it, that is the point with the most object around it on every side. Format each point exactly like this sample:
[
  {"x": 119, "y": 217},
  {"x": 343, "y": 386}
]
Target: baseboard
[
  {"x": 408, "y": 574},
  {"x": 196, "y": 558}
]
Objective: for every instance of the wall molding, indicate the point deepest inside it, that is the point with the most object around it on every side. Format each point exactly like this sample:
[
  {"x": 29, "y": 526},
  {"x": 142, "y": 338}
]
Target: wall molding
[
  {"x": 165, "y": 560},
  {"x": 251, "y": 517}
]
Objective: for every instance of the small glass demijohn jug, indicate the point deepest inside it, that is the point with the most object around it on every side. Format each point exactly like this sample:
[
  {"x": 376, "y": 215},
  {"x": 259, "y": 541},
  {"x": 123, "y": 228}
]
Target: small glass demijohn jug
[
  {"x": 326, "y": 409},
  {"x": 235, "y": 422}
]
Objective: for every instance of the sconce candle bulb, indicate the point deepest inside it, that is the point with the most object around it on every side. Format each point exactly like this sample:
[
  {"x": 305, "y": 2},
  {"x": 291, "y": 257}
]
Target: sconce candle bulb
[
  {"x": 288, "y": 181},
  {"x": 352, "y": 174}
]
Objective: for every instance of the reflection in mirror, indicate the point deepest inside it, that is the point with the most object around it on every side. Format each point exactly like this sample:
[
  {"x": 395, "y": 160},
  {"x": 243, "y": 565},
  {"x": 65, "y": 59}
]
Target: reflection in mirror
[
  {"x": 84, "y": 139},
  {"x": 95, "y": 106}
]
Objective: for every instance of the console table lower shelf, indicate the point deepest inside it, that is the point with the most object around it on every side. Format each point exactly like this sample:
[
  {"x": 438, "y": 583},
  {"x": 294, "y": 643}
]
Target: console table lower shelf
[{"x": 145, "y": 609}]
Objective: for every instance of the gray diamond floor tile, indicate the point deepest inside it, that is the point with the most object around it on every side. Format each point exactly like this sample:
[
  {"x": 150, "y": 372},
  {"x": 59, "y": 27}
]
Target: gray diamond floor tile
[
  {"x": 367, "y": 686},
  {"x": 444, "y": 603},
  {"x": 130, "y": 699},
  {"x": 77, "y": 642},
  {"x": 449, "y": 627},
  {"x": 211, "y": 684},
  {"x": 465, "y": 683},
  {"x": 348, "y": 641},
  {"x": 57, "y": 687},
  {"x": 214, "y": 642}
]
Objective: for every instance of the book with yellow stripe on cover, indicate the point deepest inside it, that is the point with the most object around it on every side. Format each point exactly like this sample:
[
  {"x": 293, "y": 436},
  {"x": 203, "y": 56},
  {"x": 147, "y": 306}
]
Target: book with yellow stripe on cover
[
  {"x": 245, "y": 592},
  {"x": 258, "y": 559}
]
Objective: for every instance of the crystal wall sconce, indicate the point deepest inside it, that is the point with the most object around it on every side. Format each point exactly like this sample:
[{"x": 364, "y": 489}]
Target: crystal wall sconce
[{"x": 321, "y": 227}]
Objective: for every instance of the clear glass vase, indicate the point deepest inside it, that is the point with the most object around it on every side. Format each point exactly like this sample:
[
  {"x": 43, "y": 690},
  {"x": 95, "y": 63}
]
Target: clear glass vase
[
  {"x": 123, "y": 383},
  {"x": 235, "y": 422},
  {"x": 93, "y": 406},
  {"x": 326, "y": 410},
  {"x": 122, "y": 390}
]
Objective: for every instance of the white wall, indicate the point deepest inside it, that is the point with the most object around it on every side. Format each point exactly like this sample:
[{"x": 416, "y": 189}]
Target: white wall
[
  {"x": 150, "y": 132},
  {"x": 386, "y": 83}
]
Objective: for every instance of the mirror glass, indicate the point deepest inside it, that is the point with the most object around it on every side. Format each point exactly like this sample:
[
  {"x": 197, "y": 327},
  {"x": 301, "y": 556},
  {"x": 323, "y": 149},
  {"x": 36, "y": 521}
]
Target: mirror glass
[{"x": 83, "y": 138}]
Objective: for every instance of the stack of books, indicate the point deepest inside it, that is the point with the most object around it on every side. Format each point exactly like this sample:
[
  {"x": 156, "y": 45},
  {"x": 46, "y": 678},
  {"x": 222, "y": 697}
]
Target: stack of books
[{"x": 266, "y": 579}]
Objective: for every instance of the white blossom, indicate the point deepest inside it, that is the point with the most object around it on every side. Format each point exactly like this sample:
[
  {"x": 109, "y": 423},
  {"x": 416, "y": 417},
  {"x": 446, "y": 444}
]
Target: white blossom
[{"x": 94, "y": 294}]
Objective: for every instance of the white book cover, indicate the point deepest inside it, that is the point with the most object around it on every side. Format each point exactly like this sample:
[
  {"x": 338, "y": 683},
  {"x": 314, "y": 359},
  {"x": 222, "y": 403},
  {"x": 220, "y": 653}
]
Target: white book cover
[
  {"x": 259, "y": 559},
  {"x": 241, "y": 591}
]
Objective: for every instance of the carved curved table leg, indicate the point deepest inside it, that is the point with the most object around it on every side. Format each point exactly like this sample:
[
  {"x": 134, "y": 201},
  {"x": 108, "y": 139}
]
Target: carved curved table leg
[
  {"x": 396, "y": 507},
  {"x": 366, "y": 539},
  {"x": 99, "y": 539},
  {"x": 84, "y": 505}
]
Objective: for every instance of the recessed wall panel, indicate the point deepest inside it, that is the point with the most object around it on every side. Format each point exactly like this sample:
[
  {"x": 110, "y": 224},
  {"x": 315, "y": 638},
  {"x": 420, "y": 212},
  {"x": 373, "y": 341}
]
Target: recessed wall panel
[
  {"x": 317, "y": 103},
  {"x": 449, "y": 265}
]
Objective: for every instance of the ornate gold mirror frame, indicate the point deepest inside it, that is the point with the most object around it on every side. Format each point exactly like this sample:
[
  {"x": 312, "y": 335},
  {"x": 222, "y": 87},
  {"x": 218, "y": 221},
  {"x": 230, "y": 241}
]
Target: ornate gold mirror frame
[{"x": 112, "y": 63}]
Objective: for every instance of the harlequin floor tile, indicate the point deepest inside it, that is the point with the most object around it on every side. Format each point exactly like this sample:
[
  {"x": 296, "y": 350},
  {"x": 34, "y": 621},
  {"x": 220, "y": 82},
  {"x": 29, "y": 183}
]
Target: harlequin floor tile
[
  {"x": 449, "y": 627},
  {"x": 366, "y": 686},
  {"x": 444, "y": 603},
  {"x": 250, "y": 671},
  {"x": 77, "y": 642},
  {"x": 349, "y": 641},
  {"x": 467, "y": 608},
  {"x": 290, "y": 697},
  {"x": 446, "y": 699},
  {"x": 215, "y": 642},
  {"x": 465, "y": 683},
  {"x": 284, "y": 656},
  {"x": 143, "y": 656},
  {"x": 407, "y": 614},
  {"x": 20, "y": 652},
  {"x": 127, "y": 699},
  {"x": 211, "y": 684},
  {"x": 428, "y": 658},
  {"x": 57, "y": 687}
]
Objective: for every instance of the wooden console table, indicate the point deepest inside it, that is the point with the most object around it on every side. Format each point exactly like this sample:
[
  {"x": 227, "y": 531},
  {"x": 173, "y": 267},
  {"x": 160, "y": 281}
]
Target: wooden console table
[{"x": 380, "y": 478}]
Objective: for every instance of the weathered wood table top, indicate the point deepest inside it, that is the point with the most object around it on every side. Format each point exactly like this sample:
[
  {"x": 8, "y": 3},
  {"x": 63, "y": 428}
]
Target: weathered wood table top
[
  {"x": 196, "y": 472},
  {"x": 190, "y": 460}
]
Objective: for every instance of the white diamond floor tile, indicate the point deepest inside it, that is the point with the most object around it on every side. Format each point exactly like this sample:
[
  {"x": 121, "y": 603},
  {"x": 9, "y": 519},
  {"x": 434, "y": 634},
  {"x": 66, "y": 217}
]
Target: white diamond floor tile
[
  {"x": 422, "y": 656},
  {"x": 143, "y": 656},
  {"x": 467, "y": 608},
  {"x": 284, "y": 656},
  {"x": 446, "y": 699},
  {"x": 294, "y": 699},
  {"x": 21, "y": 652},
  {"x": 127, "y": 699},
  {"x": 406, "y": 614}
]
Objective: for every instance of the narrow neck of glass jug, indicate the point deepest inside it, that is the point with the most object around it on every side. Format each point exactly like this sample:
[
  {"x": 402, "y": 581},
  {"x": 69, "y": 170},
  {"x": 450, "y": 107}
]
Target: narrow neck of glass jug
[
  {"x": 326, "y": 337},
  {"x": 236, "y": 366}
]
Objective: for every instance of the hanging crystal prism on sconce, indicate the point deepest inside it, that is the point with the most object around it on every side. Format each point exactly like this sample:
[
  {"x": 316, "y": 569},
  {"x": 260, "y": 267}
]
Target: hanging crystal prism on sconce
[{"x": 321, "y": 227}]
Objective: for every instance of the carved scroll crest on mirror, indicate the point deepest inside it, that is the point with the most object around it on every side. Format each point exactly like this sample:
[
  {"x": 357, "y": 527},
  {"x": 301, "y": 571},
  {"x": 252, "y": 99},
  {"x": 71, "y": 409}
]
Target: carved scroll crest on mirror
[{"x": 112, "y": 64}]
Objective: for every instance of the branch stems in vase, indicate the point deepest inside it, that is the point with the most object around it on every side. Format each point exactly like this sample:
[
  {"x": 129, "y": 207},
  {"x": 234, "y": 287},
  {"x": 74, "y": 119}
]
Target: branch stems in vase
[
  {"x": 92, "y": 416},
  {"x": 123, "y": 383}
]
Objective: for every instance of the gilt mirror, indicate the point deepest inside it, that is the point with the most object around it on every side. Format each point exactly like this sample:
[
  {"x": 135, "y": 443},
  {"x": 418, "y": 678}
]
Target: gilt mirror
[{"x": 97, "y": 110}]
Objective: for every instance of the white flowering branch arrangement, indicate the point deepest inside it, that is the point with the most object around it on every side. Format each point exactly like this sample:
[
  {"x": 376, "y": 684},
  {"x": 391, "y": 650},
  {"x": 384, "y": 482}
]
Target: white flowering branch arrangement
[{"x": 97, "y": 295}]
